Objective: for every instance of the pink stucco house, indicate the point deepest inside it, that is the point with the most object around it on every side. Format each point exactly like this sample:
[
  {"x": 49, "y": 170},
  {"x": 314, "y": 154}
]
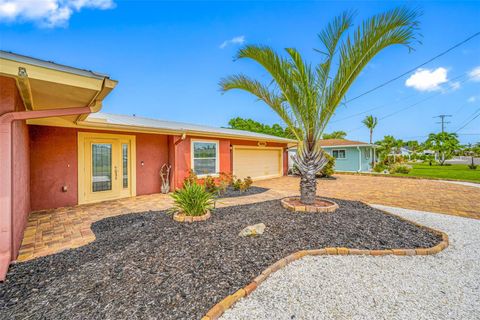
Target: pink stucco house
[{"x": 57, "y": 149}]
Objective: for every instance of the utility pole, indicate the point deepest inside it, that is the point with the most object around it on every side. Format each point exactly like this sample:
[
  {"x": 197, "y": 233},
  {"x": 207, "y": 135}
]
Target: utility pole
[{"x": 443, "y": 123}]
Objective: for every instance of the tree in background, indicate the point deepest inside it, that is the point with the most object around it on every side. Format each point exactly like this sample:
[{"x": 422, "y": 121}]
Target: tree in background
[
  {"x": 335, "y": 135},
  {"x": 387, "y": 146},
  {"x": 306, "y": 96},
  {"x": 444, "y": 143},
  {"x": 255, "y": 126},
  {"x": 370, "y": 122}
]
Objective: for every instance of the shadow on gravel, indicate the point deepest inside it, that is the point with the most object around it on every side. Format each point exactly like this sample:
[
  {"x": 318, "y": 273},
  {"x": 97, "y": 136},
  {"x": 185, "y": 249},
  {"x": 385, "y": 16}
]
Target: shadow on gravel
[{"x": 148, "y": 266}]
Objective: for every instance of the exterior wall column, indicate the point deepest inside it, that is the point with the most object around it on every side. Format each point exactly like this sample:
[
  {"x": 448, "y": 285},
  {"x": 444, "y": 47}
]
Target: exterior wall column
[{"x": 6, "y": 196}]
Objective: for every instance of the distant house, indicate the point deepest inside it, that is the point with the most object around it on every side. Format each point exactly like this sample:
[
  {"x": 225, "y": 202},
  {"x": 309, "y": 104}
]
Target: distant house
[{"x": 350, "y": 156}]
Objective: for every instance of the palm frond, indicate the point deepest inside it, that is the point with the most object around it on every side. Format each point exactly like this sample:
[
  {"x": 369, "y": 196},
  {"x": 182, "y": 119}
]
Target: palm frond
[{"x": 274, "y": 100}]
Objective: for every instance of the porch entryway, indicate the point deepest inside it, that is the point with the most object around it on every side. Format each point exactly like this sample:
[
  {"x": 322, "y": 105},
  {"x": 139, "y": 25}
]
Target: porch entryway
[{"x": 106, "y": 169}]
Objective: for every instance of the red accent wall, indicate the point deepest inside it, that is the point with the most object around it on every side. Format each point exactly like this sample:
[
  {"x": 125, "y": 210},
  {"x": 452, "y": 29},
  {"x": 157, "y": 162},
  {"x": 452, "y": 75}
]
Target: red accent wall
[
  {"x": 183, "y": 156},
  {"x": 152, "y": 149},
  {"x": 54, "y": 163},
  {"x": 10, "y": 100}
]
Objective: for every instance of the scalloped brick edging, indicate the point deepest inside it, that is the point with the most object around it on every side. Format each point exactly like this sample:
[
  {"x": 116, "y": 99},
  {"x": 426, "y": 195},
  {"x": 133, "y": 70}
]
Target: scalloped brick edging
[
  {"x": 217, "y": 310},
  {"x": 182, "y": 217},
  {"x": 308, "y": 208}
]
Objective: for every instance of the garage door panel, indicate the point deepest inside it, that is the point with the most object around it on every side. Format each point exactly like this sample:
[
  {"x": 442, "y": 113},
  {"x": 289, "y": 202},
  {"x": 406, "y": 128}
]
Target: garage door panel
[{"x": 258, "y": 163}]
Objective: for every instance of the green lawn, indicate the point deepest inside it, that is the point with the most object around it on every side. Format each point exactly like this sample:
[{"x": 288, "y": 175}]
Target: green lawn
[{"x": 453, "y": 172}]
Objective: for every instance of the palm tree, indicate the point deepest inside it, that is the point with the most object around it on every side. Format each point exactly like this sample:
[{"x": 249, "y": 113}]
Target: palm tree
[
  {"x": 370, "y": 122},
  {"x": 305, "y": 96},
  {"x": 335, "y": 135}
]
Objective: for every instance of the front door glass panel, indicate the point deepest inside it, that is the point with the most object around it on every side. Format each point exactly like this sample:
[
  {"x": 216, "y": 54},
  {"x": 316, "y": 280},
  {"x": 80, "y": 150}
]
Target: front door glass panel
[{"x": 101, "y": 167}]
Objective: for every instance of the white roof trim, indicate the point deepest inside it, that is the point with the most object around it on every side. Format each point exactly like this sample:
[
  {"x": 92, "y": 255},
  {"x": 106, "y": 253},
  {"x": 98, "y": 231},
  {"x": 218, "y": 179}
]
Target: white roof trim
[{"x": 101, "y": 119}]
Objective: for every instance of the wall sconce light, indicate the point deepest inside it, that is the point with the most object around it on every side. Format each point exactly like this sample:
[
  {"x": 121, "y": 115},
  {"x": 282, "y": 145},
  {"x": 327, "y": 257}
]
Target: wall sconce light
[{"x": 142, "y": 163}]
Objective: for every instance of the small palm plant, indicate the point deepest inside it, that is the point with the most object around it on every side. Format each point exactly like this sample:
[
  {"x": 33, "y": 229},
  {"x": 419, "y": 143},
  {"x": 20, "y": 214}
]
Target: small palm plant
[
  {"x": 192, "y": 199},
  {"x": 305, "y": 96}
]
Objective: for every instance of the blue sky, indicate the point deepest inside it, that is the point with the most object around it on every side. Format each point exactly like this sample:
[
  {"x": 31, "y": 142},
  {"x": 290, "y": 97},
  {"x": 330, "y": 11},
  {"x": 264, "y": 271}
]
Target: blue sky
[{"x": 169, "y": 56}]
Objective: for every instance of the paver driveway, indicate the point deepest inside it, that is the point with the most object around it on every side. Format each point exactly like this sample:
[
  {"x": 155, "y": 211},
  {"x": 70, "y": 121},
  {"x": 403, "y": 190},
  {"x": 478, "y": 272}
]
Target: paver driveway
[
  {"x": 54, "y": 230},
  {"x": 417, "y": 194}
]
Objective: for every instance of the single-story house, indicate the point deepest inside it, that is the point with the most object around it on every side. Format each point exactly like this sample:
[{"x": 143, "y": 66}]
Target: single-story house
[
  {"x": 57, "y": 149},
  {"x": 350, "y": 156}
]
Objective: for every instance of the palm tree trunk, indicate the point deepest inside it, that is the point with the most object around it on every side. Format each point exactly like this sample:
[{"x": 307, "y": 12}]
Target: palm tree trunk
[
  {"x": 371, "y": 141},
  {"x": 308, "y": 187}
]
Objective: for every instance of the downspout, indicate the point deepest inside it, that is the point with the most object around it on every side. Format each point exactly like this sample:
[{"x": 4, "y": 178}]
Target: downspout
[
  {"x": 359, "y": 159},
  {"x": 175, "y": 144},
  {"x": 6, "y": 214}
]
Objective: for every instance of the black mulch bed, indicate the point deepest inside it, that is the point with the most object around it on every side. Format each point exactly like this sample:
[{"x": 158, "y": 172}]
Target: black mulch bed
[
  {"x": 149, "y": 266},
  {"x": 232, "y": 193}
]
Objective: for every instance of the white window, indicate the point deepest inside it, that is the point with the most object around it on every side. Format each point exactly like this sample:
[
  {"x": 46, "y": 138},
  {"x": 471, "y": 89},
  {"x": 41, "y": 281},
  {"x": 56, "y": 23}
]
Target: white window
[
  {"x": 205, "y": 157},
  {"x": 339, "y": 154}
]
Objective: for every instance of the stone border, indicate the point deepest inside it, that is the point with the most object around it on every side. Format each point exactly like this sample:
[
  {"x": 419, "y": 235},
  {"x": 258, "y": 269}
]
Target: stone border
[
  {"x": 181, "y": 217},
  {"x": 308, "y": 208},
  {"x": 217, "y": 310}
]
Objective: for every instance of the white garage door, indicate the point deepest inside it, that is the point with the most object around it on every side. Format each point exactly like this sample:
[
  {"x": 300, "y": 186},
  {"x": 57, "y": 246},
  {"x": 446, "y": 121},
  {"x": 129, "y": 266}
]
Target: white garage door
[{"x": 257, "y": 163}]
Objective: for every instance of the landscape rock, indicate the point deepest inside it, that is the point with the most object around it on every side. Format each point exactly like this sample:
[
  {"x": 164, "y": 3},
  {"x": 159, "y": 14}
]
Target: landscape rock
[{"x": 254, "y": 230}]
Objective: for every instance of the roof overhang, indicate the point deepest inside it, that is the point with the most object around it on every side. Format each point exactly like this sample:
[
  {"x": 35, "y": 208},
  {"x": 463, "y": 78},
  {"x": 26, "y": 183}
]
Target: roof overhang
[{"x": 46, "y": 86}]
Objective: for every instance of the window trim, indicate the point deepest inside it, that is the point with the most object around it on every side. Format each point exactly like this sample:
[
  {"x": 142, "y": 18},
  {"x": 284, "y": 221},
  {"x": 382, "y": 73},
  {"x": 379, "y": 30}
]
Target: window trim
[
  {"x": 344, "y": 152},
  {"x": 217, "y": 158}
]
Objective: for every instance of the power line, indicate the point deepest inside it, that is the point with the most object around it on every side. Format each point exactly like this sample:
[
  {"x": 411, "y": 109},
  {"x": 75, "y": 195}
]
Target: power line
[
  {"x": 414, "y": 104},
  {"x": 406, "y": 98},
  {"x": 415, "y": 68},
  {"x": 468, "y": 122}
]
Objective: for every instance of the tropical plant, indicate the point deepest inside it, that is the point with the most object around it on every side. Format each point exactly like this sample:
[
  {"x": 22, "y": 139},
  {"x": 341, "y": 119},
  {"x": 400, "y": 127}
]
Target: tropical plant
[
  {"x": 192, "y": 199},
  {"x": 370, "y": 122},
  {"x": 224, "y": 181},
  {"x": 305, "y": 96},
  {"x": 386, "y": 146},
  {"x": 444, "y": 143},
  {"x": 191, "y": 178},
  {"x": 210, "y": 184},
  {"x": 329, "y": 169},
  {"x": 335, "y": 135},
  {"x": 242, "y": 185}
]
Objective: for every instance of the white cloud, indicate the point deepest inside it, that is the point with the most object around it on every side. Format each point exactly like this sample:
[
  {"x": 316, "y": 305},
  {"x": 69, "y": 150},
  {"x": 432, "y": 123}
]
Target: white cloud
[
  {"x": 472, "y": 99},
  {"x": 234, "y": 40},
  {"x": 428, "y": 80},
  {"x": 454, "y": 85},
  {"x": 47, "y": 13},
  {"x": 475, "y": 74}
]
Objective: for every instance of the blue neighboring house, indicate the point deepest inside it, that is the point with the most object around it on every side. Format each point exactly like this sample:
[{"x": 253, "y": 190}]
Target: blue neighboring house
[{"x": 350, "y": 156}]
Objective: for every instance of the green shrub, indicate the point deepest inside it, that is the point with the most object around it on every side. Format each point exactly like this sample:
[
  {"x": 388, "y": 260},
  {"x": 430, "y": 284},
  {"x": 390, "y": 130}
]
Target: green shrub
[
  {"x": 192, "y": 199},
  {"x": 247, "y": 183},
  {"x": 237, "y": 184},
  {"x": 472, "y": 166},
  {"x": 240, "y": 185},
  {"x": 380, "y": 167},
  {"x": 328, "y": 169},
  {"x": 400, "y": 168}
]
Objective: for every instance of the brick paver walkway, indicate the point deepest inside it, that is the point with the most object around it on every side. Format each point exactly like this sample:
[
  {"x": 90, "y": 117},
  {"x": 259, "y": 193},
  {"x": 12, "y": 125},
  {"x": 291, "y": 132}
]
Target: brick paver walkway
[
  {"x": 417, "y": 194},
  {"x": 55, "y": 230}
]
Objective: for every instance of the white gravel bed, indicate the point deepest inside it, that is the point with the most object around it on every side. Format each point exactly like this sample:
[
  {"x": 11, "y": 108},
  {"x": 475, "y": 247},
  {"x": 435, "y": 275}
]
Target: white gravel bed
[{"x": 442, "y": 286}]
